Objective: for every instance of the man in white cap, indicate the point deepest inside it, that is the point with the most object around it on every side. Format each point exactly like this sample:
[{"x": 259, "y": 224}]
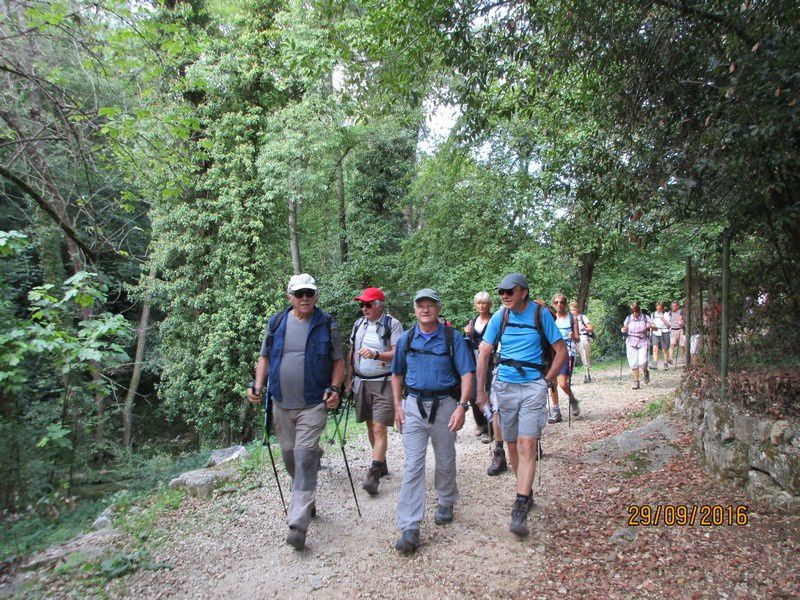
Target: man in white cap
[
  {"x": 302, "y": 353},
  {"x": 437, "y": 369},
  {"x": 372, "y": 345},
  {"x": 522, "y": 381}
]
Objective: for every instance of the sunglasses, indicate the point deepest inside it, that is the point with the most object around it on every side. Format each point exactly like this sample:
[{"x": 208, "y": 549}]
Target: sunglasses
[
  {"x": 365, "y": 304},
  {"x": 304, "y": 293},
  {"x": 503, "y": 292},
  {"x": 560, "y": 302}
]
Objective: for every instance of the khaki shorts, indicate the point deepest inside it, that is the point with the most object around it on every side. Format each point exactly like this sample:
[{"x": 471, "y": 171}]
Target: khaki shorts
[
  {"x": 374, "y": 401},
  {"x": 676, "y": 337}
]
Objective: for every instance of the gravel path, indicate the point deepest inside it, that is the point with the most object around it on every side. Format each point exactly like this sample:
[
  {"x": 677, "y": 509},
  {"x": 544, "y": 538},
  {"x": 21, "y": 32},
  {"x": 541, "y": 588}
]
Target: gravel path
[{"x": 580, "y": 546}]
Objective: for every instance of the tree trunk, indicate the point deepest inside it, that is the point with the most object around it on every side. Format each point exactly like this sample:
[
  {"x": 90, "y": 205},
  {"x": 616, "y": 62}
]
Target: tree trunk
[
  {"x": 141, "y": 335},
  {"x": 588, "y": 261},
  {"x": 295, "y": 248},
  {"x": 342, "y": 214}
]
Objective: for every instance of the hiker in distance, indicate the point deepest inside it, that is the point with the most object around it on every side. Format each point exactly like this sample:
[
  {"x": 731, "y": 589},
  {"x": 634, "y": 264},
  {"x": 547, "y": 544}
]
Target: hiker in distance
[
  {"x": 637, "y": 328},
  {"x": 372, "y": 344},
  {"x": 586, "y": 329},
  {"x": 659, "y": 338},
  {"x": 433, "y": 375},
  {"x": 522, "y": 382},
  {"x": 568, "y": 326},
  {"x": 474, "y": 331},
  {"x": 302, "y": 354},
  {"x": 677, "y": 337}
]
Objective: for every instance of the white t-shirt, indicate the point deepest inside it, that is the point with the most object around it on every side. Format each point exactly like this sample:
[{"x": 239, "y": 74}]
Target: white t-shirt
[
  {"x": 564, "y": 326},
  {"x": 660, "y": 322},
  {"x": 583, "y": 321}
]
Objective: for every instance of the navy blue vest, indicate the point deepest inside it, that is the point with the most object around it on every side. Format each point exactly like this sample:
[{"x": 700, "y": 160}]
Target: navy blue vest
[{"x": 318, "y": 364}]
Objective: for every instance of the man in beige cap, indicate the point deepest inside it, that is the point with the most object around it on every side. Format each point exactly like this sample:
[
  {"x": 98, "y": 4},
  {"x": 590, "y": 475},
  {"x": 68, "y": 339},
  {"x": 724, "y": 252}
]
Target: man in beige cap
[{"x": 302, "y": 353}]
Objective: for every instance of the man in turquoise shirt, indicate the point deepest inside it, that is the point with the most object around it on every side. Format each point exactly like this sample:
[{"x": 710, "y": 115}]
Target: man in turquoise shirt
[{"x": 522, "y": 382}]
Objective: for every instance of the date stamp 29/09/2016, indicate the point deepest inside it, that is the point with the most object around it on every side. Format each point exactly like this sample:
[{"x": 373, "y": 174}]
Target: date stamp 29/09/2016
[{"x": 686, "y": 515}]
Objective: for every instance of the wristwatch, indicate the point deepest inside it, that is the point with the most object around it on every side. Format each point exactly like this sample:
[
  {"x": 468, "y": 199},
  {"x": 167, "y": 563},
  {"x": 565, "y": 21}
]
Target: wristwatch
[
  {"x": 548, "y": 382},
  {"x": 377, "y": 355},
  {"x": 464, "y": 405}
]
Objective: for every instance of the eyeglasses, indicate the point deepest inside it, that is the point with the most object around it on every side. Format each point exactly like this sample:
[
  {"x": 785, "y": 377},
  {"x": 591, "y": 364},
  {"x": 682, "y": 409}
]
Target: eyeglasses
[
  {"x": 503, "y": 292},
  {"x": 304, "y": 293},
  {"x": 365, "y": 304}
]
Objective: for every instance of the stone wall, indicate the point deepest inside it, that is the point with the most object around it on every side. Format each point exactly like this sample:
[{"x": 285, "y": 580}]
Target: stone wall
[{"x": 761, "y": 452}]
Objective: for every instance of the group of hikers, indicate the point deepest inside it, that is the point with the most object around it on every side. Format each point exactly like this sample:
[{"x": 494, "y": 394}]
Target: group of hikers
[{"x": 505, "y": 367}]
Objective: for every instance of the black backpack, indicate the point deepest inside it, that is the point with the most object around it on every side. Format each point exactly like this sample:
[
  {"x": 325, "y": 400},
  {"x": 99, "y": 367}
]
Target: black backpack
[
  {"x": 548, "y": 352},
  {"x": 386, "y": 323}
]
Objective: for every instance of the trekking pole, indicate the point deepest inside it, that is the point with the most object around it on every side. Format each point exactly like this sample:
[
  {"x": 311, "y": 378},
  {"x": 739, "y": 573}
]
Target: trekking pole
[
  {"x": 338, "y": 432},
  {"x": 266, "y": 442},
  {"x": 539, "y": 455}
]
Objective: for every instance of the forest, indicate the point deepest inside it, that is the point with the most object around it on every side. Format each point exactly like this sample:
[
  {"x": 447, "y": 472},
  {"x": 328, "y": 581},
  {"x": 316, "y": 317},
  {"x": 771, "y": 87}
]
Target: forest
[{"x": 166, "y": 166}]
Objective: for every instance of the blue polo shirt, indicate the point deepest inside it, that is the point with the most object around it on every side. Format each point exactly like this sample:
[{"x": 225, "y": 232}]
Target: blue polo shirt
[
  {"x": 521, "y": 343},
  {"x": 432, "y": 371}
]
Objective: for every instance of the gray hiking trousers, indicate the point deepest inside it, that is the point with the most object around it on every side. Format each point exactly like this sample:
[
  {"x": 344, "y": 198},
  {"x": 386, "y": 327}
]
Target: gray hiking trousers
[
  {"x": 299, "y": 431},
  {"x": 416, "y": 432}
]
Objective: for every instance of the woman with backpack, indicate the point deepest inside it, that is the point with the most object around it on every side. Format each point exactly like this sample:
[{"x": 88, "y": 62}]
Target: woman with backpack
[
  {"x": 637, "y": 328},
  {"x": 474, "y": 333},
  {"x": 568, "y": 326}
]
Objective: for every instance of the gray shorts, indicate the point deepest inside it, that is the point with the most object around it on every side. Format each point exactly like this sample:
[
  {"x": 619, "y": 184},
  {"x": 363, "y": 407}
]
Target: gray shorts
[
  {"x": 660, "y": 340},
  {"x": 523, "y": 408},
  {"x": 374, "y": 402}
]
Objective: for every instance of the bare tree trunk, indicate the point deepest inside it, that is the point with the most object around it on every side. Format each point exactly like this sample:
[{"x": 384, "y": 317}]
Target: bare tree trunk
[
  {"x": 141, "y": 335},
  {"x": 295, "y": 248},
  {"x": 586, "y": 271},
  {"x": 342, "y": 214}
]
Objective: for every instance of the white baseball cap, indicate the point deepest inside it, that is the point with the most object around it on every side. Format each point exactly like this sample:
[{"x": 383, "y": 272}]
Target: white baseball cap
[{"x": 304, "y": 281}]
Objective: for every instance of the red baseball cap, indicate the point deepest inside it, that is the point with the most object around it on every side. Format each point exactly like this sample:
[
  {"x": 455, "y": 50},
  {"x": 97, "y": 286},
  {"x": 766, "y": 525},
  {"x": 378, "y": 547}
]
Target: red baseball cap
[{"x": 370, "y": 294}]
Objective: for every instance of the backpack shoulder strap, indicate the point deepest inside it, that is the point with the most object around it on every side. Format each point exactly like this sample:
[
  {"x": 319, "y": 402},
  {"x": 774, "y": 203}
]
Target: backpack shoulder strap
[
  {"x": 386, "y": 322},
  {"x": 503, "y": 324},
  {"x": 356, "y": 325},
  {"x": 450, "y": 340}
]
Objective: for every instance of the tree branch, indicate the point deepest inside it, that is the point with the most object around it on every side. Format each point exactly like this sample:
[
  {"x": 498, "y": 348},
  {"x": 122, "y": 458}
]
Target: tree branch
[
  {"x": 45, "y": 206},
  {"x": 709, "y": 16}
]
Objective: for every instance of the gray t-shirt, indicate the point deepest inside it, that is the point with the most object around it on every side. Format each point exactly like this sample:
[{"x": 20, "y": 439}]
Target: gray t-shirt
[{"x": 292, "y": 369}]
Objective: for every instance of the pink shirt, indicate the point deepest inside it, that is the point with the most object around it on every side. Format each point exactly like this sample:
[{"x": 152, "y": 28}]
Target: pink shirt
[{"x": 638, "y": 330}]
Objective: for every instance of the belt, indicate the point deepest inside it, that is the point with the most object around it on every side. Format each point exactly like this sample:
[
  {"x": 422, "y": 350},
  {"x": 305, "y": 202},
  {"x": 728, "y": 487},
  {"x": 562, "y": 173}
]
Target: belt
[{"x": 434, "y": 396}]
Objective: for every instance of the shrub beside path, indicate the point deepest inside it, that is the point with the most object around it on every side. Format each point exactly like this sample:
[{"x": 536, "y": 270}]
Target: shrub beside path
[{"x": 580, "y": 545}]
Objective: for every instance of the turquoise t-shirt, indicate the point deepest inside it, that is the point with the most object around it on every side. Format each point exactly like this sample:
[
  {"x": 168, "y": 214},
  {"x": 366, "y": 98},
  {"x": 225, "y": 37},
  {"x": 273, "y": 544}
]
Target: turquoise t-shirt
[{"x": 521, "y": 343}]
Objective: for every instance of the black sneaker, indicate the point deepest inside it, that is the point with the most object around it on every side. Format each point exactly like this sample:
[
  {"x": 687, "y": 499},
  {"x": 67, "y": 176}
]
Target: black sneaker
[
  {"x": 519, "y": 517},
  {"x": 586, "y": 379},
  {"x": 499, "y": 463},
  {"x": 444, "y": 515},
  {"x": 408, "y": 542},
  {"x": 370, "y": 484},
  {"x": 555, "y": 416},
  {"x": 296, "y": 538},
  {"x": 575, "y": 407}
]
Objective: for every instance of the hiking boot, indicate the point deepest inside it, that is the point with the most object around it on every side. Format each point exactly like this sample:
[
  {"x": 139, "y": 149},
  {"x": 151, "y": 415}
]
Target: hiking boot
[
  {"x": 519, "y": 517},
  {"x": 485, "y": 439},
  {"x": 499, "y": 463},
  {"x": 370, "y": 484},
  {"x": 555, "y": 415},
  {"x": 384, "y": 469},
  {"x": 647, "y": 376},
  {"x": 479, "y": 431},
  {"x": 636, "y": 384},
  {"x": 587, "y": 379},
  {"x": 444, "y": 515},
  {"x": 296, "y": 538},
  {"x": 408, "y": 542},
  {"x": 666, "y": 365},
  {"x": 575, "y": 407}
]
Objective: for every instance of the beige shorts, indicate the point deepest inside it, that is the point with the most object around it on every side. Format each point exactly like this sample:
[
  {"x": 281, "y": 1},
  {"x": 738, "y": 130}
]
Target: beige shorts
[
  {"x": 675, "y": 335},
  {"x": 374, "y": 401}
]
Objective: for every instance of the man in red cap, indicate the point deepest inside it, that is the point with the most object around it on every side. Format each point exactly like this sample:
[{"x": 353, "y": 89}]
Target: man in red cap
[{"x": 372, "y": 345}]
